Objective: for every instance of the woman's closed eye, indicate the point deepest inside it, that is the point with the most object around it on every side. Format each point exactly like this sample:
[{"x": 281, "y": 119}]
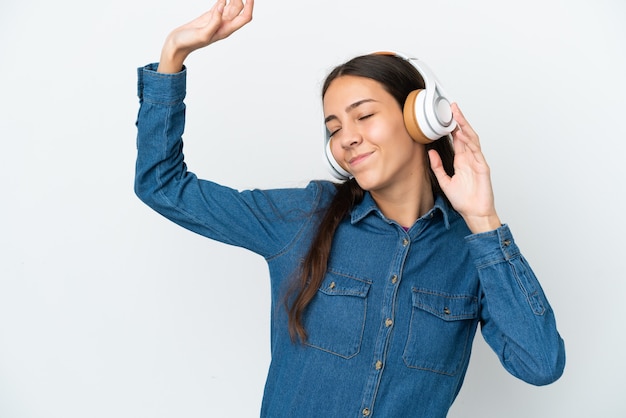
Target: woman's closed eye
[{"x": 332, "y": 132}]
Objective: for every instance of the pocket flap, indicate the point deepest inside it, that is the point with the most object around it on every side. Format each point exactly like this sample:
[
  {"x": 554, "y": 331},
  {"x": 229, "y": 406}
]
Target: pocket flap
[
  {"x": 337, "y": 284},
  {"x": 445, "y": 306}
]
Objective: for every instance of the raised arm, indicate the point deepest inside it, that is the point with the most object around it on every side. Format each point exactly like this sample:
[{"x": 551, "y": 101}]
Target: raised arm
[{"x": 253, "y": 219}]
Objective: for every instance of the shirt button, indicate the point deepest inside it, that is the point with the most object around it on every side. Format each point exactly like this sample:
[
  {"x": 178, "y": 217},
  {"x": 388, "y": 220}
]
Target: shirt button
[
  {"x": 394, "y": 279},
  {"x": 388, "y": 322},
  {"x": 379, "y": 365},
  {"x": 405, "y": 242},
  {"x": 366, "y": 412},
  {"x": 332, "y": 285}
]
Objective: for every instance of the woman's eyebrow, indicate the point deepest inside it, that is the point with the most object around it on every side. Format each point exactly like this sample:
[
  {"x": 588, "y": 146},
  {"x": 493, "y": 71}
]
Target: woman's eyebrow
[{"x": 349, "y": 108}]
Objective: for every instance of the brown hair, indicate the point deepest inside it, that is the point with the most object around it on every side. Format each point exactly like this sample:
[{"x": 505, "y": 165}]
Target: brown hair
[{"x": 398, "y": 77}]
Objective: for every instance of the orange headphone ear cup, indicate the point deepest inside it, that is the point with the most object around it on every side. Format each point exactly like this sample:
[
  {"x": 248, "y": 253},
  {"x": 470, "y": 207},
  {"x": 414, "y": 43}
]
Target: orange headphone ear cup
[{"x": 410, "y": 118}]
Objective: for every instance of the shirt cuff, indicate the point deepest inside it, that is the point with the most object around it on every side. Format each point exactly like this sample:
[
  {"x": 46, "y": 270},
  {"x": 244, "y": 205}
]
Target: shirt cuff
[
  {"x": 492, "y": 246},
  {"x": 167, "y": 89}
]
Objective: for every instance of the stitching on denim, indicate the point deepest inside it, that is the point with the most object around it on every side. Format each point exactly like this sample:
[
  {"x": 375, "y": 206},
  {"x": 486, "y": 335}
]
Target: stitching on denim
[
  {"x": 533, "y": 300},
  {"x": 164, "y": 197}
]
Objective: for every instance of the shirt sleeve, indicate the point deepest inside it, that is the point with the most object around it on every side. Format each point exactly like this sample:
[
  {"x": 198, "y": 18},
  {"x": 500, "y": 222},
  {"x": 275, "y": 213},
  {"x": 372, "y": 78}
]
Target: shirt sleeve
[
  {"x": 263, "y": 221},
  {"x": 516, "y": 318}
]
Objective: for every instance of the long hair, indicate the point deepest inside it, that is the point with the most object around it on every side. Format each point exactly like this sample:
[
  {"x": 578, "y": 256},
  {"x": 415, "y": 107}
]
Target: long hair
[{"x": 398, "y": 77}]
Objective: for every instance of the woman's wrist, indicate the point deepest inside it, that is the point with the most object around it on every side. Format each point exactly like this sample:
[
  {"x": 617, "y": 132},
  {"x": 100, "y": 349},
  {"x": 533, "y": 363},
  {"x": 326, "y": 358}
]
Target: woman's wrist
[
  {"x": 479, "y": 224},
  {"x": 172, "y": 58}
]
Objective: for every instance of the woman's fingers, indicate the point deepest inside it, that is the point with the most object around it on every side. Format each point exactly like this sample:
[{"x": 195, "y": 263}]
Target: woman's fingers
[
  {"x": 235, "y": 15},
  {"x": 464, "y": 136},
  {"x": 232, "y": 9},
  {"x": 463, "y": 129}
]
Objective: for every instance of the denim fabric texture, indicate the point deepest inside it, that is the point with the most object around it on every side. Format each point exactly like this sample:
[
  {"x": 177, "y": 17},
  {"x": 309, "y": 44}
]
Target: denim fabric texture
[{"x": 392, "y": 325}]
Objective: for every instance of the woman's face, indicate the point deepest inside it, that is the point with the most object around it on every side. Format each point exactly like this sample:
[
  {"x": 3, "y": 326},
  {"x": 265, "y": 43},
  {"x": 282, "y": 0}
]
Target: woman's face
[{"x": 368, "y": 135}]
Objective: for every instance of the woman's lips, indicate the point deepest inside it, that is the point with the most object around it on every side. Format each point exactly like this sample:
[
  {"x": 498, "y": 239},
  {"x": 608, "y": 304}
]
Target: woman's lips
[{"x": 359, "y": 158}]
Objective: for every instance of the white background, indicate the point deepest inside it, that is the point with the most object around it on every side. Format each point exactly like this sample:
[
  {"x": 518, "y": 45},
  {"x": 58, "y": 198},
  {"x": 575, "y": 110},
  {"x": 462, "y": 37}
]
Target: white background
[{"x": 109, "y": 310}]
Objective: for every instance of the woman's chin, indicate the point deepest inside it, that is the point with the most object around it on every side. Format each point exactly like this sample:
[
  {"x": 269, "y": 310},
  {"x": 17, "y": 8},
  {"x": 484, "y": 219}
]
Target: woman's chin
[{"x": 365, "y": 181}]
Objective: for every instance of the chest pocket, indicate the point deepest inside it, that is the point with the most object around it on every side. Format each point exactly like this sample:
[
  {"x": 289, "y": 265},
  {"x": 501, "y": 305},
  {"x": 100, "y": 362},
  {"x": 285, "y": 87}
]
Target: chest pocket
[
  {"x": 440, "y": 330},
  {"x": 335, "y": 318}
]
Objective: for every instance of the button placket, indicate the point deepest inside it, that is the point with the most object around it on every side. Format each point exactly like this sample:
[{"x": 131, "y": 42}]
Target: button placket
[{"x": 387, "y": 324}]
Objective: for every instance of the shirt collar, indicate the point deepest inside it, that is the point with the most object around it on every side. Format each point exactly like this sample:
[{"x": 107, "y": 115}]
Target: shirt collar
[{"x": 368, "y": 205}]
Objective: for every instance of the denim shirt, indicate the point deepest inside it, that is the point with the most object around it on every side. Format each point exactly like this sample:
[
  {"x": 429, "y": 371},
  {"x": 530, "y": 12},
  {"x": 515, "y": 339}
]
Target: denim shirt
[{"x": 390, "y": 330}]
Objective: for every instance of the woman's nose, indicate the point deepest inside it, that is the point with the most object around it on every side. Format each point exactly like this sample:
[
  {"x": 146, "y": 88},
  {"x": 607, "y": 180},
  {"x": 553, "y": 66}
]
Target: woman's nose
[{"x": 350, "y": 137}]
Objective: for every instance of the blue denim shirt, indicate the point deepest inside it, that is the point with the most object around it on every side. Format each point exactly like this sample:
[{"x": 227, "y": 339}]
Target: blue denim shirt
[{"x": 391, "y": 327}]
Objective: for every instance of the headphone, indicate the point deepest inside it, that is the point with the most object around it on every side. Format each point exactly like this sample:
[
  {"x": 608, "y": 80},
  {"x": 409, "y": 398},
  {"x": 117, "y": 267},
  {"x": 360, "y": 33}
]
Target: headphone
[{"x": 427, "y": 113}]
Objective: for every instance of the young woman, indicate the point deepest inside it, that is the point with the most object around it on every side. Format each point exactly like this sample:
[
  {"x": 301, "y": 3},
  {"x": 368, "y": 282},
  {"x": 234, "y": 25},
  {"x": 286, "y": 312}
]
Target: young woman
[{"x": 378, "y": 282}]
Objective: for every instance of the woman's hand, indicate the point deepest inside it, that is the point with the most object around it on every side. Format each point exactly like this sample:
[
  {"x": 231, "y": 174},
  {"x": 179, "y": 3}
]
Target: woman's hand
[
  {"x": 224, "y": 18},
  {"x": 469, "y": 190}
]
